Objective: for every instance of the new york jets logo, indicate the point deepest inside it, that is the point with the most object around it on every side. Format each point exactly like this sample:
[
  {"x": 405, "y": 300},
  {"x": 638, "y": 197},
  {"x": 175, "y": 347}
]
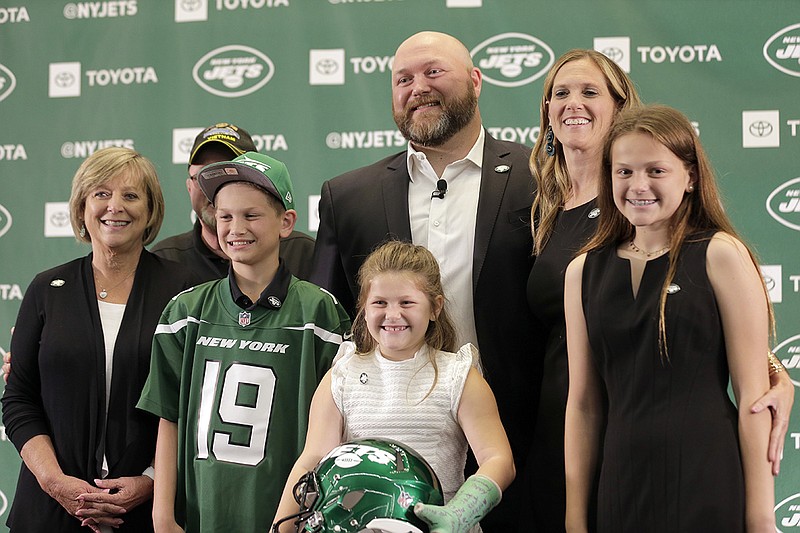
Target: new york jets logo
[
  {"x": 258, "y": 165},
  {"x": 512, "y": 59},
  {"x": 5, "y": 220},
  {"x": 787, "y": 513},
  {"x": 783, "y": 204},
  {"x": 789, "y": 353},
  {"x": 7, "y": 82},
  {"x": 233, "y": 71},
  {"x": 782, "y": 50}
]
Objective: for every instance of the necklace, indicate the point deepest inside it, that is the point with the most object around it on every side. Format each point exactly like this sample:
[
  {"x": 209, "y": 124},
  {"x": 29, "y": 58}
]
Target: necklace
[
  {"x": 103, "y": 294},
  {"x": 645, "y": 253}
]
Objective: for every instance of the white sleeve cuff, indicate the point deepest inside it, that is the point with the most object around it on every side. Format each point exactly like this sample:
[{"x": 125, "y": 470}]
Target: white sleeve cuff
[{"x": 150, "y": 472}]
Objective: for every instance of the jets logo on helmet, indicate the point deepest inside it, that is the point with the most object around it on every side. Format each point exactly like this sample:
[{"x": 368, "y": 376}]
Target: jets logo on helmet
[{"x": 365, "y": 485}]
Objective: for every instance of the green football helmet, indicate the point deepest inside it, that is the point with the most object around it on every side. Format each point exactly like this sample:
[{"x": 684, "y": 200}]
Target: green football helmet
[{"x": 367, "y": 485}]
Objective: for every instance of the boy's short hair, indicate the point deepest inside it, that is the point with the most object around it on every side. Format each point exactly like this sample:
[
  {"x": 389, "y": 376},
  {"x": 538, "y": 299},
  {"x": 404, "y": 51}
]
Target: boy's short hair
[{"x": 261, "y": 170}]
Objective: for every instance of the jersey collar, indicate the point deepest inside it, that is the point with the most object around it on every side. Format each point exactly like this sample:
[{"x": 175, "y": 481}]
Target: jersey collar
[{"x": 273, "y": 295}]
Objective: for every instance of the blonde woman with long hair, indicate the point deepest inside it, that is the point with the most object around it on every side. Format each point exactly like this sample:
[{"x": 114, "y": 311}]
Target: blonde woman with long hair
[{"x": 583, "y": 94}]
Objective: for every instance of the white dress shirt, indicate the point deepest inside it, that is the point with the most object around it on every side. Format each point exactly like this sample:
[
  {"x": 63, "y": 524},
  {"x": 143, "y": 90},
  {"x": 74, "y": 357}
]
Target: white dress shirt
[{"x": 446, "y": 227}]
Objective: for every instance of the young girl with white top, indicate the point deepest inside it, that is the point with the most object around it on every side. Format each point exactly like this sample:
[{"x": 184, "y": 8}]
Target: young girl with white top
[{"x": 399, "y": 380}]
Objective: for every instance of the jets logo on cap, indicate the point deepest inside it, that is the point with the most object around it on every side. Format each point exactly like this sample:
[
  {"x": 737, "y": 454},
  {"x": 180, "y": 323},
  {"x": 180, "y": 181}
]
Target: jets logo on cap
[{"x": 258, "y": 165}]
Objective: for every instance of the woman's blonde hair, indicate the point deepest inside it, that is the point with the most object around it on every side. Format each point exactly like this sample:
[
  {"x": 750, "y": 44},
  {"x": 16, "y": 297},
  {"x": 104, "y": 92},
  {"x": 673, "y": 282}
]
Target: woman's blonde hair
[
  {"x": 103, "y": 166},
  {"x": 553, "y": 186},
  {"x": 700, "y": 210}
]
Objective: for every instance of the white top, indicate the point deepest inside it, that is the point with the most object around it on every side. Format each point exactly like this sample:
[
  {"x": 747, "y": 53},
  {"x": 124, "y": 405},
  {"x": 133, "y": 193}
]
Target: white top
[
  {"x": 446, "y": 227},
  {"x": 110, "y": 319},
  {"x": 387, "y": 399}
]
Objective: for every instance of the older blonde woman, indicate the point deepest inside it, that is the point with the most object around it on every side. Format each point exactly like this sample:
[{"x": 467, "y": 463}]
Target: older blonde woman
[{"x": 81, "y": 350}]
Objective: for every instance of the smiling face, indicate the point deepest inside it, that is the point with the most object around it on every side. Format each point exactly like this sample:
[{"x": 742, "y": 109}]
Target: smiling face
[
  {"x": 116, "y": 213},
  {"x": 581, "y": 106},
  {"x": 397, "y": 313},
  {"x": 649, "y": 182},
  {"x": 435, "y": 89},
  {"x": 249, "y": 226}
]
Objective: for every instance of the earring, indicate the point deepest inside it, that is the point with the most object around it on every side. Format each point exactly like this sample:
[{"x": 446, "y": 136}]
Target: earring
[
  {"x": 690, "y": 188},
  {"x": 549, "y": 146},
  {"x": 82, "y": 231}
]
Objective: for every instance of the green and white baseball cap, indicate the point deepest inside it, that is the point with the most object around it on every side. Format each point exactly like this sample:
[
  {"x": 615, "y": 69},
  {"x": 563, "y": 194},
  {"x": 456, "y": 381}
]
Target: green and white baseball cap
[{"x": 252, "y": 167}]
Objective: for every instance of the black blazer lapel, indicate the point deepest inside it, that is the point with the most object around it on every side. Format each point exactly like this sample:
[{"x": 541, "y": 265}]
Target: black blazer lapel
[
  {"x": 126, "y": 364},
  {"x": 395, "y": 198},
  {"x": 98, "y": 418},
  {"x": 494, "y": 178}
]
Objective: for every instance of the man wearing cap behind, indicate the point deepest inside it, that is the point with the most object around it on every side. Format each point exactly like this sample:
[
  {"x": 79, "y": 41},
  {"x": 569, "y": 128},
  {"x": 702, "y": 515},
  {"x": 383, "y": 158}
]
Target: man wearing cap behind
[
  {"x": 198, "y": 249},
  {"x": 235, "y": 363}
]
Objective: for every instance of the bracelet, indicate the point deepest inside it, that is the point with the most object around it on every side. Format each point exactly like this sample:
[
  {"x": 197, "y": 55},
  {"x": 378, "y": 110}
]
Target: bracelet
[{"x": 775, "y": 365}]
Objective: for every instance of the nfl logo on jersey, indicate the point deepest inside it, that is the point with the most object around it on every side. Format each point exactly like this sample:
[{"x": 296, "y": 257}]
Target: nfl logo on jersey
[{"x": 244, "y": 318}]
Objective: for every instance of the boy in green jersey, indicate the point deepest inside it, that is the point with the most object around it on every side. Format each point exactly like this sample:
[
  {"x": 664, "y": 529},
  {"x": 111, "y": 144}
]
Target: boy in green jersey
[{"x": 236, "y": 361}]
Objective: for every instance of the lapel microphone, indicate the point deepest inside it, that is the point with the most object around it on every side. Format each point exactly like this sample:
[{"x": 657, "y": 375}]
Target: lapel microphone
[{"x": 441, "y": 189}]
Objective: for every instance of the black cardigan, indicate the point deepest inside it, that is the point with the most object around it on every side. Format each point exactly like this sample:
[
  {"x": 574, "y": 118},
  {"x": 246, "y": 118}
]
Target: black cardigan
[{"x": 57, "y": 385}]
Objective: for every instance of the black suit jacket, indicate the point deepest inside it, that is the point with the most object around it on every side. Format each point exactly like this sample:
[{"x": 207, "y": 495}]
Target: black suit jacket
[{"x": 362, "y": 208}]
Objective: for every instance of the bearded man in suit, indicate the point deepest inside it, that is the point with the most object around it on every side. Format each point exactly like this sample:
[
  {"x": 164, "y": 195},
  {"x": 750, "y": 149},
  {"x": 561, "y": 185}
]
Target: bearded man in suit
[{"x": 466, "y": 197}]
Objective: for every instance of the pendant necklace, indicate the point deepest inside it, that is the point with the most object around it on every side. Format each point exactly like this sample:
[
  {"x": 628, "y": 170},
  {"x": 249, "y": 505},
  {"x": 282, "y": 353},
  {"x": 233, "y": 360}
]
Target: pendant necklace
[
  {"x": 645, "y": 253},
  {"x": 103, "y": 294}
]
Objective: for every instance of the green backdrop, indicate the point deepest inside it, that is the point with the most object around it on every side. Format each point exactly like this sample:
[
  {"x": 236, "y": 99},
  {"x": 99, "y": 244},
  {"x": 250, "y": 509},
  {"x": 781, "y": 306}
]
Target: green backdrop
[{"x": 309, "y": 79}]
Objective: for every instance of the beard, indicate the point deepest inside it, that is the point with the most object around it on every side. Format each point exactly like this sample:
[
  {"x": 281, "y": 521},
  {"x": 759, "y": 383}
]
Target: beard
[
  {"x": 456, "y": 112},
  {"x": 207, "y": 216}
]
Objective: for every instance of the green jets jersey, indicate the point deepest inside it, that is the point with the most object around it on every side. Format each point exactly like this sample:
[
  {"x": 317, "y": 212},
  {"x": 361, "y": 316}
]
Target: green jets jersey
[{"x": 239, "y": 385}]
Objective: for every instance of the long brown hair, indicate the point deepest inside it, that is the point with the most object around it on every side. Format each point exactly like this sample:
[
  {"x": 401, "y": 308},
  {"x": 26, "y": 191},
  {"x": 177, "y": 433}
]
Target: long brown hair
[
  {"x": 553, "y": 185},
  {"x": 700, "y": 210}
]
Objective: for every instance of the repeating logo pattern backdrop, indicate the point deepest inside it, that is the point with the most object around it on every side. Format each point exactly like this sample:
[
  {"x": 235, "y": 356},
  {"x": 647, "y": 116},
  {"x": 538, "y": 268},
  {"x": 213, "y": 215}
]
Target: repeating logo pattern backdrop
[{"x": 310, "y": 81}]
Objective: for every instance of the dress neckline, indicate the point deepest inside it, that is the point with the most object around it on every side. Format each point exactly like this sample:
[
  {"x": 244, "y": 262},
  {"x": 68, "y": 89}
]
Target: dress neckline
[{"x": 577, "y": 207}]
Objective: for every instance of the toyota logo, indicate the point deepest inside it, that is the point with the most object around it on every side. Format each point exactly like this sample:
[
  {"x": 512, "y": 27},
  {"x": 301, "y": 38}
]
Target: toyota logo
[
  {"x": 327, "y": 66},
  {"x": 64, "y": 79},
  {"x": 760, "y": 128},
  {"x": 59, "y": 219},
  {"x": 614, "y": 54},
  {"x": 185, "y": 144}
]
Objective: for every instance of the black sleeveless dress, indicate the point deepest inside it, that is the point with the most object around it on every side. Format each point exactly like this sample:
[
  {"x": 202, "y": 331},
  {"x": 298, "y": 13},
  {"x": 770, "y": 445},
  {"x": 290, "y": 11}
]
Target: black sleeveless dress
[
  {"x": 670, "y": 457},
  {"x": 544, "y": 468}
]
